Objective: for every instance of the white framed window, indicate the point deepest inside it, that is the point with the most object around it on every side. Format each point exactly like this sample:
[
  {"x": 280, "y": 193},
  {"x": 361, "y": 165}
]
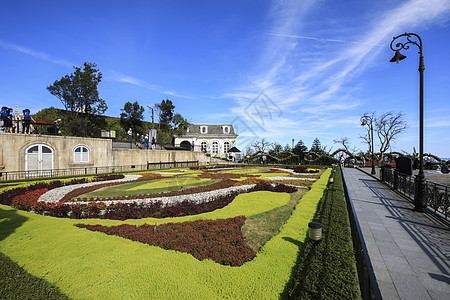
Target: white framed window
[
  {"x": 81, "y": 154},
  {"x": 226, "y": 147},
  {"x": 226, "y": 129},
  {"x": 204, "y": 129},
  {"x": 204, "y": 145},
  {"x": 215, "y": 147}
]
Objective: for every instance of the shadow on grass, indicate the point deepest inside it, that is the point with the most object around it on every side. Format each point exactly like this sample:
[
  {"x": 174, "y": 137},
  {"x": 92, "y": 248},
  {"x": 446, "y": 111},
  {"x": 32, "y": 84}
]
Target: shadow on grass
[
  {"x": 293, "y": 241},
  {"x": 15, "y": 282},
  {"x": 10, "y": 220}
]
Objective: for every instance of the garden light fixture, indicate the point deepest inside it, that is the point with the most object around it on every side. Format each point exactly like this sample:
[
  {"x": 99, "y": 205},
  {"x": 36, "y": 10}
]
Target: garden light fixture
[{"x": 315, "y": 231}]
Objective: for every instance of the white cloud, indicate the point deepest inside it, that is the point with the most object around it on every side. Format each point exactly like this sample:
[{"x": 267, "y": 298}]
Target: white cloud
[{"x": 31, "y": 52}]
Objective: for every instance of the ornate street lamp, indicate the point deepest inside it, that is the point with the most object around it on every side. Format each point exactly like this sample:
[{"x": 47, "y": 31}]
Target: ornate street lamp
[
  {"x": 420, "y": 202},
  {"x": 365, "y": 121}
]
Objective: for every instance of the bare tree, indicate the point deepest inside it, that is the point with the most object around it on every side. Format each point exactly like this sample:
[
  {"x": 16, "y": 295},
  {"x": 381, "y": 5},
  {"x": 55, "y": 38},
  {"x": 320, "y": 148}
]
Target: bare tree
[
  {"x": 261, "y": 146},
  {"x": 388, "y": 127},
  {"x": 345, "y": 142}
]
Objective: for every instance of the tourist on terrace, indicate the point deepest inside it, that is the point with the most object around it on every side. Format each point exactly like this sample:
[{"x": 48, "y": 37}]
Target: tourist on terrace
[{"x": 27, "y": 118}]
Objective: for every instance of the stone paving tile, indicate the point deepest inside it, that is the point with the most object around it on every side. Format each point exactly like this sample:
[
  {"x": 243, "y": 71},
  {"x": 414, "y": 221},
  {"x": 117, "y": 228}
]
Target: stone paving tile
[
  {"x": 409, "y": 287},
  {"x": 387, "y": 290},
  {"x": 409, "y": 251}
]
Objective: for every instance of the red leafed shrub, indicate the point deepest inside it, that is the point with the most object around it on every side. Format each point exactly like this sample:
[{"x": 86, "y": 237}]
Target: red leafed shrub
[
  {"x": 27, "y": 200},
  {"x": 304, "y": 170},
  {"x": 219, "y": 240},
  {"x": 149, "y": 176},
  {"x": 108, "y": 177}
]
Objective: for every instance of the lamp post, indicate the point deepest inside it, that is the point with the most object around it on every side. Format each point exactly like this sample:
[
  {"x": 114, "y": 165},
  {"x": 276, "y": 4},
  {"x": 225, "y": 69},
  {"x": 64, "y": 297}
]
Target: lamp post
[
  {"x": 365, "y": 121},
  {"x": 420, "y": 202}
]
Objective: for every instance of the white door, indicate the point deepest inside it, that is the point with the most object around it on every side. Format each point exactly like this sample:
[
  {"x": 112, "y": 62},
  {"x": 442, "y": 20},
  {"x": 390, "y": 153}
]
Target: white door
[{"x": 39, "y": 160}]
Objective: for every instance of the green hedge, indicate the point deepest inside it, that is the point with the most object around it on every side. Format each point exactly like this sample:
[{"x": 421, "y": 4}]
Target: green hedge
[
  {"x": 16, "y": 283},
  {"x": 326, "y": 270}
]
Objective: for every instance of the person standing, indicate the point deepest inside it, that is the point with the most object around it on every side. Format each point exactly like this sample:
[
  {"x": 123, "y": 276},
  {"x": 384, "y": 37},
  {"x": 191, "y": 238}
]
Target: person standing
[
  {"x": 26, "y": 121},
  {"x": 342, "y": 160},
  {"x": 9, "y": 120},
  {"x": 153, "y": 143},
  {"x": 192, "y": 146}
]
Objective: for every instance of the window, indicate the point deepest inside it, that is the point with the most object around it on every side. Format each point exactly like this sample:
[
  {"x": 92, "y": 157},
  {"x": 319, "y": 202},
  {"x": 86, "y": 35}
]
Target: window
[
  {"x": 226, "y": 129},
  {"x": 226, "y": 147},
  {"x": 215, "y": 147},
  {"x": 81, "y": 154},
  {"x": 204, "y": 145},
  {"x": 39, "y": 158},
  {"x": 204, "y": 129}
]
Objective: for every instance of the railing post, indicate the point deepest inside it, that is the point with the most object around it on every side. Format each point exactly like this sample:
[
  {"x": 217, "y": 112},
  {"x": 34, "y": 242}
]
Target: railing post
[{"x": 395, "y": 180}]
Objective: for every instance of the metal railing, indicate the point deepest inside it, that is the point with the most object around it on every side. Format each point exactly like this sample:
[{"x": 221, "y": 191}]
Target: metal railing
[
  {"x": 437, "y": 195},
  {"x": 19, "y": 175},
  {"x": 366, "y": 276}
]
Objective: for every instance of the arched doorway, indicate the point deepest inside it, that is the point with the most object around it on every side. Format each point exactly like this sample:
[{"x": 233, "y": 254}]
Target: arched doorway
[
  {"x": 39, "y": 158},
  {"x": 185, "y": 144}
]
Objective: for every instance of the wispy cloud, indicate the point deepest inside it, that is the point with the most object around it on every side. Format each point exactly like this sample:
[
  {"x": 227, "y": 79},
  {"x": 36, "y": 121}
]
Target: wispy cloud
[
  {"x": 174, "y": 94},
  {"x": 37, "y": 54},
  {"x": 120, "y": 77},
  {"x": 317, "y": 82}
]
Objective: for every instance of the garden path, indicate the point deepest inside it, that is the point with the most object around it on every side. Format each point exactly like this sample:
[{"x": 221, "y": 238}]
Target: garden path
[{"x": 409, "y": 251}]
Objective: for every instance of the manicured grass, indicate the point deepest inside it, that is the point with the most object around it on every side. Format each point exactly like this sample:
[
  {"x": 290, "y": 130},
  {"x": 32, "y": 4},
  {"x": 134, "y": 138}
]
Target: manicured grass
[
  {"x": 91, "y": 265},
  {"x": 258, "y": 229},
  {"x": 244, "y": 171},
  {"x": 154, "y": 186},
  {"x": 16, "y": 283}
]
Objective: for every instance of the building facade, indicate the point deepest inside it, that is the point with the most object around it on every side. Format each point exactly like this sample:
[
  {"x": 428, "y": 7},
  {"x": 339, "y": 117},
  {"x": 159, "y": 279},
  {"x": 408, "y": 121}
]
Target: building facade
[
  {"x": 213, "y": 139},
  {"x": 38, "y": 153}
]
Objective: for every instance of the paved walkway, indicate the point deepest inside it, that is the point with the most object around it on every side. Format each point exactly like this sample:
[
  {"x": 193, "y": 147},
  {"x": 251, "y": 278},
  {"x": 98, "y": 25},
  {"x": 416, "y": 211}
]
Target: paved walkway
[{"x": 409, "y": 251}]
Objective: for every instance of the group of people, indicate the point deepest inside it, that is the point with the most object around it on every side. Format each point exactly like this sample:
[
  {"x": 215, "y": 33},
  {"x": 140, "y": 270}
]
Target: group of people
[
  {"x": 8, "y": 120},
  {"x": 145, "y": 142}
]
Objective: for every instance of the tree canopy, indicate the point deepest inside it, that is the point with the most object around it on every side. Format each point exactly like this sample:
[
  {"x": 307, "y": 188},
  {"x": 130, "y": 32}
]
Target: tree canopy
[
  {"x": 132, "y": 116},
  {"x": 78, "y": 92}
]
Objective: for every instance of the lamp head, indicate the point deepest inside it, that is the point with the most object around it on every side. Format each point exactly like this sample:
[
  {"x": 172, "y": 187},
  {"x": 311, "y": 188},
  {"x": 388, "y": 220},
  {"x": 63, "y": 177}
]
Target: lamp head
[{"x": 397, "y": 57}]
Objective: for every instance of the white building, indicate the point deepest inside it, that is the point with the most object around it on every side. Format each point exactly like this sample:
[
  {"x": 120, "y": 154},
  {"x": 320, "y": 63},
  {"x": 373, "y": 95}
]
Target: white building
[{"x": 214, "y": 139}]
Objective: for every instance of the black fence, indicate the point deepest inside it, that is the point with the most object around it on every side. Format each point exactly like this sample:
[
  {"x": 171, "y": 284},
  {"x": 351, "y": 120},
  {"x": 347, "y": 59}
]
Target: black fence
[
  {"x": 437, "y": 195},
  {"x": 366, "y": 276},
  {"x": 20, "y": 175}
]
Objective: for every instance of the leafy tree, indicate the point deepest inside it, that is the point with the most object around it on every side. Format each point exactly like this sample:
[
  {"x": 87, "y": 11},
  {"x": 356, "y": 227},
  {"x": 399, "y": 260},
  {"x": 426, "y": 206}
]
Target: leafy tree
[
  {"x": 170, "y": 123},
  {"x": 165, "y": 112},
  {"x": 132, "y": 116},
  {"x": 276, "y": 149},
  {"x": 180, "y": 125},
  {"x": 78, "y": 92},
  {"x": 316, "y": 147},
  {"x": 300, "y": 148}
]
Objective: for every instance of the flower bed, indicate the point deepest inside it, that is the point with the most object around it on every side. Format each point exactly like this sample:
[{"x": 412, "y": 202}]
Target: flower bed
[
  {"x": 122, "y": 211},
  {"x": 215, "y": 175},
  {"x": 74, "y": 259},
  {"x": 219, "y": 240},
  {"x": 198, "y": 189}
]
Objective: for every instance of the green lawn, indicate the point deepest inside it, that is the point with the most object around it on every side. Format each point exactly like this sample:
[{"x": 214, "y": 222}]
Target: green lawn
[
  {"x": 147, "y": 187},
  {"x": 90, "y": 265}
]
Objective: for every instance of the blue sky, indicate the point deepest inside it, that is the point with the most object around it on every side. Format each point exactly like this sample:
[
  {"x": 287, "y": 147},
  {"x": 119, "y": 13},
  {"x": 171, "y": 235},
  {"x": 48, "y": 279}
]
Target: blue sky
[{"x": 279, "y": 70}]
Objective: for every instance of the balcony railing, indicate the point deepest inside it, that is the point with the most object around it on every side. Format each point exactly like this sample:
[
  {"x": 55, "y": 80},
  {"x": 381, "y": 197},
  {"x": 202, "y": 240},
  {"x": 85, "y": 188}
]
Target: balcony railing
[
  {"x": 35, "y": 174},
  {"x": 437, "y": 195}
]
